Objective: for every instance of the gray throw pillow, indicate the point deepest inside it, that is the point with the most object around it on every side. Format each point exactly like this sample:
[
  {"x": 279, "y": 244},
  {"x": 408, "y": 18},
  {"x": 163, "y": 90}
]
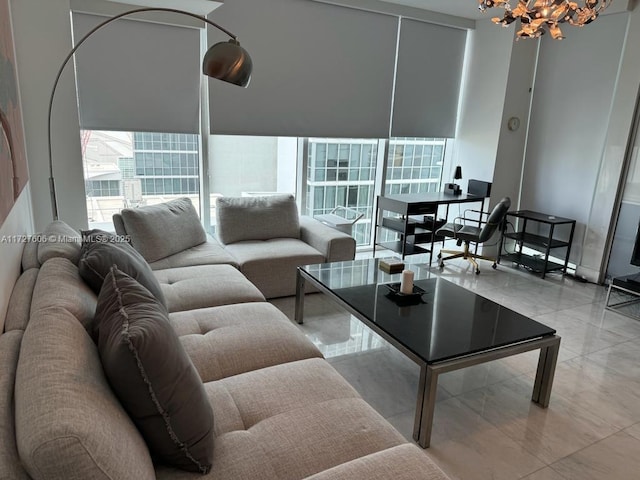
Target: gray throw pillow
[
  {"x": 101, "y": 250},
  {"x": 152, "y": 375},
  {"x": 256, "y": 218},
  {"x": 157, "y": 231}
]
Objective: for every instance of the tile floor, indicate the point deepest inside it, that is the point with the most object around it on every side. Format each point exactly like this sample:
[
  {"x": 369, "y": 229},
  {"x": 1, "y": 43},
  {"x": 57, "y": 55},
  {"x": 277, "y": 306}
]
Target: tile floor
[{"x": 485, "y": 425}]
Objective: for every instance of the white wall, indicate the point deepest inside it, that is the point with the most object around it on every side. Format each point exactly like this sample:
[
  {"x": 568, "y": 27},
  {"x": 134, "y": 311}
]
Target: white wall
[
  {"x": 575, "y": 84},
  {"x": 42, "y": 32},
  {"x": 511, "y": 146},
  {"x": 19, "y": 222},
  {"x": 486, "y": 72}
]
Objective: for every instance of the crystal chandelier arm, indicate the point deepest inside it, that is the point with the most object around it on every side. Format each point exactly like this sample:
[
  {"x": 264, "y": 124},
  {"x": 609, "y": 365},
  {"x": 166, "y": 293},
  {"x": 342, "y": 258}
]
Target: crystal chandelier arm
[{"x": 538, "y": 16}]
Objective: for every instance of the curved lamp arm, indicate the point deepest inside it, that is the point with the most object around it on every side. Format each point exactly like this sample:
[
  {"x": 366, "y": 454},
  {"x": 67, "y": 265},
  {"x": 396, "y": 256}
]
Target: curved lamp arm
[{"x": 226, "y": 61}]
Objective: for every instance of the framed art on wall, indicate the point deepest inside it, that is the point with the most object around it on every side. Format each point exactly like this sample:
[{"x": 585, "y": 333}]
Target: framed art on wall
[{"x": 13, "y": 160}]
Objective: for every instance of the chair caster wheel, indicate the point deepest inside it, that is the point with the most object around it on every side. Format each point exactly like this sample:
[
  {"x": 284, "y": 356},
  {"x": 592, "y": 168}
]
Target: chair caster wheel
[
  {"x": 494, "y": 266},
  {"x": 477, "y": 272},
  {"x": 441, "y": 265}
]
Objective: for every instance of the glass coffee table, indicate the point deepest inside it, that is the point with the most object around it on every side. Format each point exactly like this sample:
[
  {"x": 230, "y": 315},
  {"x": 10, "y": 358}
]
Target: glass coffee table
[{"x": 443, "y": 327}]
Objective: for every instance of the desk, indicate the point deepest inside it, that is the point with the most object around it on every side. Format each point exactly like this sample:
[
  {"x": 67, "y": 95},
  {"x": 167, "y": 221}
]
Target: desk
[{"x": 414, "y": 231}]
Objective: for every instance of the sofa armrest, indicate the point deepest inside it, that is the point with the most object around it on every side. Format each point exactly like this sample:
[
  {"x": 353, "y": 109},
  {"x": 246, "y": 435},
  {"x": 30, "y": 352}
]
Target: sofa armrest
[{"x": 334, "y": 245}]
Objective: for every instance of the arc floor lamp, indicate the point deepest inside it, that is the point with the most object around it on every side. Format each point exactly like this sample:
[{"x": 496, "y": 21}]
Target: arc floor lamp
[{"x": 226, "y": 61}]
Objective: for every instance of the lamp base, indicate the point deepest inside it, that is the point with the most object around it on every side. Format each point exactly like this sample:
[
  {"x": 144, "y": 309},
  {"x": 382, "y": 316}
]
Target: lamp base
[{"x": 452, "y": 189}]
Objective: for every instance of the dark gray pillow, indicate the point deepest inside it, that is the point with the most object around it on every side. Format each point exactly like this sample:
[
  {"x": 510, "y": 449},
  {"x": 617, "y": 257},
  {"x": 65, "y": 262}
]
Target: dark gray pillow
[
  {"x": 101, "y": 250},
  {"x": 152, "y": 375}
]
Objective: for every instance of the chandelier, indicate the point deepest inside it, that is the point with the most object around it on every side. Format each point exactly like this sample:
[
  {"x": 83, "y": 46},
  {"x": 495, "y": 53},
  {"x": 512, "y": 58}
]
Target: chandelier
[{"x": 536, "y": 16}]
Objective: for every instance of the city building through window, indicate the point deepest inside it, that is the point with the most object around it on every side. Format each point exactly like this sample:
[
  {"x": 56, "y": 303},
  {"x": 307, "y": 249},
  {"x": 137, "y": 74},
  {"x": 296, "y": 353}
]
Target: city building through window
[{"x": 124, "y": 169}]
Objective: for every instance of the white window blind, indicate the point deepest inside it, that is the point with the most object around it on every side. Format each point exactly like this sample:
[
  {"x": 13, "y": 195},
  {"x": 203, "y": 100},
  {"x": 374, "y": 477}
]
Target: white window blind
[
  {"x": 429, "y": 71},
  {"x": 319, "y": 70},
  {"x": 138, "y": 76}
]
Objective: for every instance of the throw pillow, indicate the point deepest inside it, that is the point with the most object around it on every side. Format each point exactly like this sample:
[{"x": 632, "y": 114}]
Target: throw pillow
[
  {"x": 256, "y": 218},
  {"x": 152, "y": 375},
  {"x": 158, "y": 231},
  {"x": 101, "y": 250}
]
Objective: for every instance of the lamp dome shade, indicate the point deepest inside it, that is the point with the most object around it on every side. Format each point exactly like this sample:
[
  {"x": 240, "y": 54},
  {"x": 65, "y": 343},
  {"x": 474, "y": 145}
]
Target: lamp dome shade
[{"x": 229, "y": 62}]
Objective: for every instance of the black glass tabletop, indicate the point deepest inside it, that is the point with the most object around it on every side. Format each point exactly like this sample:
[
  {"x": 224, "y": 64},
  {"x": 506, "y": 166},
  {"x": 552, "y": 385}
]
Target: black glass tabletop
[{"x": 444, "y": 322}]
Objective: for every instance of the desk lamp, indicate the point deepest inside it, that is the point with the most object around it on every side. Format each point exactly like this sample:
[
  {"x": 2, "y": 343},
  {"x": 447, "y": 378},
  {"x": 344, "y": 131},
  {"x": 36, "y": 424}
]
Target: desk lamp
[{"x": 454, "y": 188}]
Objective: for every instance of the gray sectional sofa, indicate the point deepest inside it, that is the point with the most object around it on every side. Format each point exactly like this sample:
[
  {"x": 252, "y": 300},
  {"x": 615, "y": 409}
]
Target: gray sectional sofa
[
  {"x": 263, "y": 236},
  {"x": 280, "y": 411}
]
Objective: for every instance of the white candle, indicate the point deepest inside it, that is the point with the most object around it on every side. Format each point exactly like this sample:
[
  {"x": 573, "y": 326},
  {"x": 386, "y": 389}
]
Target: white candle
[{"x": 406, "y": 284}]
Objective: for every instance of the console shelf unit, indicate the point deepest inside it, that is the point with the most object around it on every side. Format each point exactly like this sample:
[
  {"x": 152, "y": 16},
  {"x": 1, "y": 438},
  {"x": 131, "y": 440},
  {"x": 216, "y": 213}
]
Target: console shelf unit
[{"x": 539, "y": 263}]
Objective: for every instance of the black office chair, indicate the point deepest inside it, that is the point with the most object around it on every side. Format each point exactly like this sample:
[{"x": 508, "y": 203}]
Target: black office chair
[{"x": 476, "y": 234}]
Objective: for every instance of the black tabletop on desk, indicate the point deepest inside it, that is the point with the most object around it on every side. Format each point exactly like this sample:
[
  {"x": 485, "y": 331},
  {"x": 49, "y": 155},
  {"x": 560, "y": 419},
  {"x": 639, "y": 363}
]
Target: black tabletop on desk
[{"x": 432, "y": 197}]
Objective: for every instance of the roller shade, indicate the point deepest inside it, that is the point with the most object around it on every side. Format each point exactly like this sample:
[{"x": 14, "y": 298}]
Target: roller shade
[
  {"x": 319, "y": 70},
  {"x": 138, "y": 76},
  {"x": 429, "y": 71}
]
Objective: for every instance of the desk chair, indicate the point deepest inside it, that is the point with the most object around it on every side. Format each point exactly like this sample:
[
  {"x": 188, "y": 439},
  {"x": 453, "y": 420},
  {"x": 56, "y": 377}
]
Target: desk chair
[{"x": 476, "y": 234}]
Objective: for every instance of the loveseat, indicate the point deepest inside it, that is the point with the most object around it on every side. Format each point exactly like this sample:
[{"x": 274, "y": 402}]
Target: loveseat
[
  {"x": 280, "y": 411},
  {"x": 264, "y": 237}
]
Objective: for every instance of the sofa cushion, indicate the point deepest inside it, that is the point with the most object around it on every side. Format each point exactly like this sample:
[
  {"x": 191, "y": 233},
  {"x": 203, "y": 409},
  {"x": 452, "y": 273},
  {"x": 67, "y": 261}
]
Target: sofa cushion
[
  {"x": 20, "y": 301},
  {"x": 158, "y": 231},
  {"x": 404, "y": 462},
  {"x": 271, "y": 264},
  {"x": 210, "y": 252},
  {"x": 290, "y": 421},
  {"x": 97, "y": 258},
  {"x": 59, "y": 284},
  {"x": 256, "y": 218},
  {"x": 188, "y": 288},
  {"x": 10, "y": 465},
  {"x": 152, "y": 375},
  {"x": 30, "y": 254},
  {"x": 69, "y": 424},
  {"x": 58, "y": 240},
  {"x": 233, "y": 339}
]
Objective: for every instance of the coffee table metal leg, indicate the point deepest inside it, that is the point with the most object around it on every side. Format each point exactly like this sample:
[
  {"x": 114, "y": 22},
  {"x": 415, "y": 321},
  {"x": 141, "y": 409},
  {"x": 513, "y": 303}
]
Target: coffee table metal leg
[
  {"x": 544, "y": 376},
  {"x": 426, "y": 405},
  {"x": 299, "y": 312},
  {"x": 418, "y": 416}
]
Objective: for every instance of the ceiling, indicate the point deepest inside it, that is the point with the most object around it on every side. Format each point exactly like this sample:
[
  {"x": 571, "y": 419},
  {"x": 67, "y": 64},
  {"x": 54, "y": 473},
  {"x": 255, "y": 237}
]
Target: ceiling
[{"x": 459, "y": 8}]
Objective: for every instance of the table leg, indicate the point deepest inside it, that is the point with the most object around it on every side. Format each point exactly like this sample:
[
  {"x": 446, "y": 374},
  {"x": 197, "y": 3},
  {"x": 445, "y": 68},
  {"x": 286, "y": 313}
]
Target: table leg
[
  {"x": 546, "y": 371},
  {"x": 299, "y": 311},
  {"x": 426, "y": 406}
]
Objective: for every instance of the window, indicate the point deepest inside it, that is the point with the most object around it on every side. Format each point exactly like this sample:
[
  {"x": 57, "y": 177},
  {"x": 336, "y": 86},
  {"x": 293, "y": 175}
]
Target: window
[
  {"x": 250, "y": 165},
  {"x": 125, "y": 169},
  {"x": 414, "y": 165},
  {"x": 103, "y": 188},
  {"x": 342, "y": 172}
]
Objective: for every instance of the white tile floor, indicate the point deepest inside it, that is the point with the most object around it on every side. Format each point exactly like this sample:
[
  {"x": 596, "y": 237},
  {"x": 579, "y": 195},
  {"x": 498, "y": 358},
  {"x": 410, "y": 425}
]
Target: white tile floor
[{"x": 485, "y": 425}]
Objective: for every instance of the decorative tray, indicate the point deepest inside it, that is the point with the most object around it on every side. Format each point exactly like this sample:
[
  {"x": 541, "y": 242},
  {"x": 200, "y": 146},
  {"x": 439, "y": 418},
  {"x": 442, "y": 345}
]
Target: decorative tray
[{"x": 404, "y": 298}]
